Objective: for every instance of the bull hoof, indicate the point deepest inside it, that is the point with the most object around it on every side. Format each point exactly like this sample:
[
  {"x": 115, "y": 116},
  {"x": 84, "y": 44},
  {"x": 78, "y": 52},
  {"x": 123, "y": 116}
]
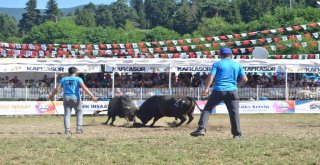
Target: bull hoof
[{"x": 138, "y": 125}]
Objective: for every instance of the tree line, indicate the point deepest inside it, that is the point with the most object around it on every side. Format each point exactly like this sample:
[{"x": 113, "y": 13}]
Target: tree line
[{"x": 153, "y": 20}]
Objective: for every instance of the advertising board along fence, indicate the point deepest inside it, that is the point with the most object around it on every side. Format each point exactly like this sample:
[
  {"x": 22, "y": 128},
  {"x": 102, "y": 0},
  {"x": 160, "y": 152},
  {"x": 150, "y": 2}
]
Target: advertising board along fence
[{"x": 246, "y": 107}]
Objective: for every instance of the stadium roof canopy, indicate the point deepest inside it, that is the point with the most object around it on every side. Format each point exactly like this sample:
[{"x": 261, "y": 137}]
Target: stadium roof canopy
[{"x": 153, "y": 65}]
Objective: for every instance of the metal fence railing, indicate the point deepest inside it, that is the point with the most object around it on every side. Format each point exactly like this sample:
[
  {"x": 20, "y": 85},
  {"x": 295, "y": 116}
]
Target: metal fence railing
[{"x": 33, "y": 94}]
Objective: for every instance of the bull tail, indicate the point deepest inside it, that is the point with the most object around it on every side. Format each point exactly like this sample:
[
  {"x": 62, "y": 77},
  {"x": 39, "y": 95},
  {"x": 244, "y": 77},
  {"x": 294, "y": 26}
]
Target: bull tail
[{"x": 99, "y": 111}]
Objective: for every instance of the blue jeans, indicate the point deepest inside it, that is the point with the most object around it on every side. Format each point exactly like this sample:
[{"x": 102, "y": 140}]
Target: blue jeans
[{"x": 70, "y": 102}]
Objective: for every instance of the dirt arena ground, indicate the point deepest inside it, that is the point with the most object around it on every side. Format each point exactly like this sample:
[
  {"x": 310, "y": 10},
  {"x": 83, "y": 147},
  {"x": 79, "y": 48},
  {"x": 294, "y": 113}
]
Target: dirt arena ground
[{"x": 268, "y": 139}]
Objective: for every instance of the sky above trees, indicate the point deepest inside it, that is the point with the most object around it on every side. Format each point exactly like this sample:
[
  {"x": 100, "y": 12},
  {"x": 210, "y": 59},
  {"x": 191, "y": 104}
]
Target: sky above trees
[{"x": 62, "y": 3}]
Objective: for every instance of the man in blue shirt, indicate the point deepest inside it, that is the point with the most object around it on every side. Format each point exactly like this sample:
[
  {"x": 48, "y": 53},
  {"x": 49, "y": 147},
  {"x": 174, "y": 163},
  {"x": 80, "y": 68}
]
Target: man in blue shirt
[
  {"x": 226, "y": 74},
  {"x": 71, "y": 98}
]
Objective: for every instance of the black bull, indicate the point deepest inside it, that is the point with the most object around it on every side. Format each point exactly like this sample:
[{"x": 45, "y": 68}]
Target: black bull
[
  {"x": 122, "y": 106},
  {"x": 157, "y": 107}
]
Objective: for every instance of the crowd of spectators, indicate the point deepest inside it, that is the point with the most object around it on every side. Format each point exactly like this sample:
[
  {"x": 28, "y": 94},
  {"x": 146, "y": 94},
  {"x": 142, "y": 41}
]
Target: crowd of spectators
[
  {"x": 15, "y": 82},
  {"x": 144, "y": 80},
  {"x": 161, "y": 80}
]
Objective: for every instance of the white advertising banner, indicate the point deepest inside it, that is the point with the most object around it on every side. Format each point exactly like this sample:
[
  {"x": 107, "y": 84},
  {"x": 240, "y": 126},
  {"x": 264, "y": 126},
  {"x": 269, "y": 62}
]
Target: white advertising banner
[
  {"x": 307, "y": 106},
  {"x": 303, "y": 69},
  {"x": 146, "y": 68},
  {"x": 46, "y": 107},
  {"x": 49, "y": 68},
  {"x": 246, "y": 107},
  {"x": 153, "y": 65},
  {"x": 254, "y": 107}
]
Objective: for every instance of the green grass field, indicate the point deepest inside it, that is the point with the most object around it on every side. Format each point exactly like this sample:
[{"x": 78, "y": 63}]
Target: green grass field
[{"x": 269, "y": 139}]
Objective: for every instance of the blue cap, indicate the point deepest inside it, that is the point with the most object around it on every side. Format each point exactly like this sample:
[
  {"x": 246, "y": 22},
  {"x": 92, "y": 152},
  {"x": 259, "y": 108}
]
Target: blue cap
[{"x": 225, "y": 51}]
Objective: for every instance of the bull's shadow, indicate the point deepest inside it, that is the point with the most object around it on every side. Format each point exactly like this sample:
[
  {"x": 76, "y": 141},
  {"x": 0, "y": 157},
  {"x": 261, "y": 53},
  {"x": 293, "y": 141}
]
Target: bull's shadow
[
  {"x": 173, "y": 124},
  {"x": 135, "y": 125}
]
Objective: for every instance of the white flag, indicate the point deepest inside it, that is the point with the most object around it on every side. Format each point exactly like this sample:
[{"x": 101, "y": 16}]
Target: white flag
[
  {"x": 304, "y": 44},
  {"x": 315, "y": 35},
  {"x": 244, "y": 34},
  {"x": 284, "y": 38},
  {"x": 216, "y": 38},
  {"x": 269, "y": 40},
  {"x": 175, "y": 42},
  {"x": 148, "y": 44},
  {"x": 273, "y": 31},
  {"x": 253, "y": 41},
  {"x": 230, "y": 36},
  {"x": 134, "y": 45},
  {"x": 299, "y": 37},
  {"x": 289, "y": 28}
]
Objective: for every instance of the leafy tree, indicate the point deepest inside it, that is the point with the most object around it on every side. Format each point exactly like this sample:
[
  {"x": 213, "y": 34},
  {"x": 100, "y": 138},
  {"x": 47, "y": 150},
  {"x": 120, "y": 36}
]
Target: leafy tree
[
  {"x": 86, "y": 16},
  {"x": 31, "y": 18},
  {"x": 65, "y": 31},
  {"x": 311, "y": 3},
  {"x": 90, "y": 7},
  {"x": 213, "y": 8},
  {"x": 104, "y": 16},
  {"x": 160, "y": 13},
  {"x": 139, "y": 7},
  {"x": 214, "y": 26},
  {"x": 185, "y": 19},
  {"x": 160, "y": 34},
  {"x": 52, "y": 12},
  {"x": 287, "y": 16},
  {"x": 254, "y": 9},
  {"x": 122, "y": 13},
  {"x": 8, "y": 26},
  {"x": 233, "y": 14}
]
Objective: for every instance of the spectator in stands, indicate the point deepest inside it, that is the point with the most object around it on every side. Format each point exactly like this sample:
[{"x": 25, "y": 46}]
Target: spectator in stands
[
  {"x": 6, "y": 79},
  {"x": 256, "y": 77},
  {"x": 196, "y": 82},
  {"x": 318, "y": 82},
  {"x": 298, "y": 84},
  {"x": 118, "y": 92},
  {"x": 312, "y": 83},
  {"x": 19, "y": 84},
  {"x": 14, "y": 80},
  {"x": 2, "y": 83},
  {"x": 45, "y": 78},
  {"x": 26, "y": 84},
  {"x": 305, "y": 86}
]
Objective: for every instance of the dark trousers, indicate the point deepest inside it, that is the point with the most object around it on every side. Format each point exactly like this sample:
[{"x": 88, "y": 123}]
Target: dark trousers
[{"x": 231, "y": 100}]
